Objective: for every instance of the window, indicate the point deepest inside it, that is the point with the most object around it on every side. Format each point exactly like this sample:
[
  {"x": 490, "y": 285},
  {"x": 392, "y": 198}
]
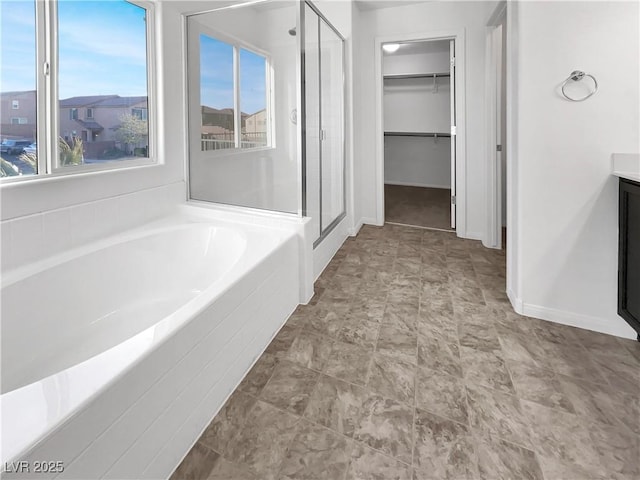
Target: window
[
  {"x": 17, "y": 79},
  {"x": 139, "y": 113},
  {"x": 109, "y": 40},
  {"x": 253, "y": 97},
  {"x": 223, "y": 125},
  {"x": 100, "y": 69}
]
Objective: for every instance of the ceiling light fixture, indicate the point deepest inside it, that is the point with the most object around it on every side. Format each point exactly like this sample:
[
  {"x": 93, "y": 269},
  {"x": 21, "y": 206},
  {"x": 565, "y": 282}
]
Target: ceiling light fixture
[{"x": 390, "y": 47}]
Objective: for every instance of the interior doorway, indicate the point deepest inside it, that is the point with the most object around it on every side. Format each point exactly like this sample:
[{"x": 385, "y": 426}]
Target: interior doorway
[
  {"x": 420, "y": 154},
  {"x": 419, "y": 142}
]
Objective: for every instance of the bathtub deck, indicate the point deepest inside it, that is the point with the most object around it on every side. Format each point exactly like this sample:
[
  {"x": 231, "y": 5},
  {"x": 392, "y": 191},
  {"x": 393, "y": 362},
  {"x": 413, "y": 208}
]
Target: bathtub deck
[{"x": 407, "y": 369}]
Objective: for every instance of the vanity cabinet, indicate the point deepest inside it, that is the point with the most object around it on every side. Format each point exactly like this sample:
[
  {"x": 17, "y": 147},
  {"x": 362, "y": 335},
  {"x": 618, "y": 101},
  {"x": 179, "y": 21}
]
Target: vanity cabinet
[{"x": 629, "y": 253}]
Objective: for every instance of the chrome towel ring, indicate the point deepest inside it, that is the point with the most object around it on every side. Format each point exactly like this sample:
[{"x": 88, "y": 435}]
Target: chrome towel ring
[{"x": 577, "y": 76}]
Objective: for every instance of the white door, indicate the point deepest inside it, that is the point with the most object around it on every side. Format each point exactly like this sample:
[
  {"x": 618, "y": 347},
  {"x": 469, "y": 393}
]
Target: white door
[{"x": 452, "y": 80}]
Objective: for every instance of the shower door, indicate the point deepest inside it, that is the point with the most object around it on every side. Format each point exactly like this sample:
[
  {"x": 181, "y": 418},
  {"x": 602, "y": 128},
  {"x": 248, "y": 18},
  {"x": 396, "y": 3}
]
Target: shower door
[{"x": 323, "y": 60}]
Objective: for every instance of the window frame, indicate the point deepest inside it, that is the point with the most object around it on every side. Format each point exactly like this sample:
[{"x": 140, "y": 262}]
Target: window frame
[
  {"x": 194, "y": 99},
  {"x": 15, "y": 104},
  {"x": 47, "y": 98}
]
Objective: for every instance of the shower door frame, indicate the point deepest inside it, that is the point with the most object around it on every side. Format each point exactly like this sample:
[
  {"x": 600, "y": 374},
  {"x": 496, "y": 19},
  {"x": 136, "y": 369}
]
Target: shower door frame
[{"x": 324, "y": 232}]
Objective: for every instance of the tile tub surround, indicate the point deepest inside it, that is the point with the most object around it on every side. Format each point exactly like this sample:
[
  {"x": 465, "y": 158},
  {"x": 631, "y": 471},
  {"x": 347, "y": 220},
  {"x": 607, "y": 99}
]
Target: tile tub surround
[{"x": 410, "y": 364}]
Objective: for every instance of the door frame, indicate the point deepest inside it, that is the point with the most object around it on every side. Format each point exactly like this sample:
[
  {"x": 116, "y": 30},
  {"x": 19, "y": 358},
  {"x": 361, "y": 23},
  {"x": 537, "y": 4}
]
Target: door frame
[
  {"x": 493, "y": 94},
  {"x": 458, "y": 36}
]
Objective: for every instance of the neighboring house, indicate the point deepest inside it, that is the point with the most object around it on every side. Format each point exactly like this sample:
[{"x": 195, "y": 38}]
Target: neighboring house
[
  {"x": 215, "y": 131},
  {"x": 97, "y": 118},
  {"x": 18, "y": 115},
  {"x": 254, "y": 133},
  {"x": 222, "y": 119},
  {"x": 256, "y": 123},
  {"x": 94, "y": 118},
  {"x": 218, "y": 124}
]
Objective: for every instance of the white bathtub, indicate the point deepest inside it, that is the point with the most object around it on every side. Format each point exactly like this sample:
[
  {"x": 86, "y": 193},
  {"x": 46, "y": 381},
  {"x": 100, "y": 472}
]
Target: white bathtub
[{"x": 115, "y": 356}]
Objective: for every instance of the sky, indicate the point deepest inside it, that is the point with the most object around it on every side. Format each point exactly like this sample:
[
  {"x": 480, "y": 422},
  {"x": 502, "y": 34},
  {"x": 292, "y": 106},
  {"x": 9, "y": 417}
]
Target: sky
[
  {"x": 102, "y": 51},
  {"x": 216, "y": 76},
  {"x": 102, "y": 47}
]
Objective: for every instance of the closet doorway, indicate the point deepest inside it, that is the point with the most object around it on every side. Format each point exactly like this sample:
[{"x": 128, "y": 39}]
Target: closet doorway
[{"x": 419, "y": 118}]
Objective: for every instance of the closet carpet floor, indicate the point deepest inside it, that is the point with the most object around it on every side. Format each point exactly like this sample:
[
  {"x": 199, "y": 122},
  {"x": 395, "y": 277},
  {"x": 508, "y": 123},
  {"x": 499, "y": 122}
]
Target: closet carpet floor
[
  {"x": 419, "y": 206},
  {"x": 410, "y": 364}
]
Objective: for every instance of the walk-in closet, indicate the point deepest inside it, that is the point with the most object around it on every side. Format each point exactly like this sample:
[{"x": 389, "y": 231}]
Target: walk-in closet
[{"x": 419, "y": 149}]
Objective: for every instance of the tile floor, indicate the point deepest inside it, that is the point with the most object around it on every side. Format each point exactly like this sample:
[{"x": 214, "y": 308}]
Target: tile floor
[
  {"x": 419, "y": 206},
  {"x": 410, "y": 364}
]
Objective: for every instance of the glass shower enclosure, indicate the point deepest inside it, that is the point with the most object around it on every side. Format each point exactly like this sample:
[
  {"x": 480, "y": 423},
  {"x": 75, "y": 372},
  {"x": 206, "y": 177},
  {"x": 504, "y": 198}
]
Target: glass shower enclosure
[
  {"x": 323, "y": 133},
  {"x": 266, "y": 110}
]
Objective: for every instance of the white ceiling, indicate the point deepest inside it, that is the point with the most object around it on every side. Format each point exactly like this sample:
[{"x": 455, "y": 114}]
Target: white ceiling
[
  {"x": 267, "y": 5},
  {"x": 417, "y": 48},
  {"x": 376, "y": 4}
]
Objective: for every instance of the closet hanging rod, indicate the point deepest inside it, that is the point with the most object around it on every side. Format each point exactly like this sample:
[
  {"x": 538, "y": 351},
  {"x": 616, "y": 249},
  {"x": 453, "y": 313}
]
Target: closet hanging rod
[
  {"x": 416, "y": 134},
  {"x": 416, "y": 75}
]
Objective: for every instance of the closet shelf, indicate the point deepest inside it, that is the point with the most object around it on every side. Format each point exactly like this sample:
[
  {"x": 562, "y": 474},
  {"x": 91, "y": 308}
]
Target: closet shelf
[
  {"x": 416, "y": 75},
  {"x": 416, "y": 134}
]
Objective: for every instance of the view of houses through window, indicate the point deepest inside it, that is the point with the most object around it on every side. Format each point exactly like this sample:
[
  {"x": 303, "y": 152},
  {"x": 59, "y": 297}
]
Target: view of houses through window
[
  {"x": 219, "y": 92},
  {"x": 101, "y": 80},
  {"x": 17, "y": 86}
]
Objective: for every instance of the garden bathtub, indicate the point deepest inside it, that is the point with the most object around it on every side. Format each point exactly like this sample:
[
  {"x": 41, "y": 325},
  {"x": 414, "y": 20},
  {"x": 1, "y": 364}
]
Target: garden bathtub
[{"x": 116, "y": 355}]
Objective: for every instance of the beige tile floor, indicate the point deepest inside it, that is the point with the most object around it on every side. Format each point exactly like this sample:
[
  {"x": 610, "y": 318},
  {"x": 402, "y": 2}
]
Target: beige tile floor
[{"x": 411, "y": 365}]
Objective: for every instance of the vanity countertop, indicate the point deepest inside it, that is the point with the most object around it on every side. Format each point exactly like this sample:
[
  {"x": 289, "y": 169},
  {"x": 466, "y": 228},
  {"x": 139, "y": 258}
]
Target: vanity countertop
[{"x": 626, "y": 165}]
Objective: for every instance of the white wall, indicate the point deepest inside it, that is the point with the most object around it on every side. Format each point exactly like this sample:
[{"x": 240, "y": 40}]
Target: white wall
[
  {"x": 413, "y": 105},
  {"x": 363, "y": 108},
  {"x": 566, "y": 199},
  {"x": 406, "y": 64},
  {"x": 417, "y": 161},
  {"x": 423, "y": 18}
]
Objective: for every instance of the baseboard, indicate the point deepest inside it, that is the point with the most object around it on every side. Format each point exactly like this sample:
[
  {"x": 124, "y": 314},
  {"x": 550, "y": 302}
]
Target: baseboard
[
  {"x": 488, "y": 245},
  {"x": 356, "y": 229},
  {"x": 596, "y": 324},
  {"x": 370, "y": 221},
  {"x": 470, "y": 235},
  {"x": 413, "y": 184},
  {"x": 516, "y": 302},
  {"x": 352, "y": 232}
]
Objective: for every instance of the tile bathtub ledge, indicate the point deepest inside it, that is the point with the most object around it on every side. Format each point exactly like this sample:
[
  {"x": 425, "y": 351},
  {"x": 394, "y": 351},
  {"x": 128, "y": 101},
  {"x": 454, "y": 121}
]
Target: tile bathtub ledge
[{"x": 626, "y": 165}]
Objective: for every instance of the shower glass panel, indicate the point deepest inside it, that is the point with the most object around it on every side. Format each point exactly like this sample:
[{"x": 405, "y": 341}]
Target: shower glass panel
[
  {"x": 324, "y": 122},
  {"x": 242, "y": 71},
  {"x": 331, "y": 91}
]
